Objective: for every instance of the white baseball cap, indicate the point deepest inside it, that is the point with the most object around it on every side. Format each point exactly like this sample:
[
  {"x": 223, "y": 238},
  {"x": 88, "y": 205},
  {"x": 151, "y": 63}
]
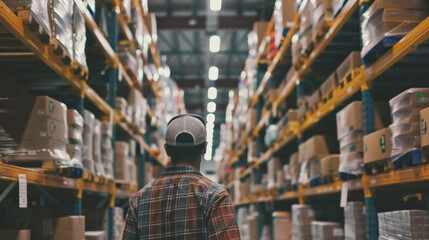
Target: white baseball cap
[{"x": 186, "y": 130}]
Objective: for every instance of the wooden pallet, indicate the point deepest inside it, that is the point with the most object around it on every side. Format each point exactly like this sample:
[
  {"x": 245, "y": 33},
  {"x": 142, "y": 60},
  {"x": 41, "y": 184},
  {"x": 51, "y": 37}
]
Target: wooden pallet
[
  {"x": 46, "y": 165},
  {"x": 352, "y": 74},
  {"x": 379, "y": 166},
  {"x": 28, "y": 18},
  {"x": 79, "y": 70},
  {"x": 87, "y": 176},
  {"x": 71, "y": 172},
  {"x": 59, "y": 50}
]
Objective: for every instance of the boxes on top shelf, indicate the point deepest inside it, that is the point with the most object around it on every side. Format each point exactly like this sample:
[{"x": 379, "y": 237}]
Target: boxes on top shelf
[
  {"x": 408, "y": 103},
  {"x": 79, "y": 37},
  {"x": 322, "y": 16},
  {"x": 60, "y": 18},
  {"x": 377, "y": 146},
  {"x": 284, "y": 12},
  {"x": 352, "y": 62},
  {"x": 260, "y": 28},
  {"x": 132, "y": 64},
  {"x": 390, "y": 19}
]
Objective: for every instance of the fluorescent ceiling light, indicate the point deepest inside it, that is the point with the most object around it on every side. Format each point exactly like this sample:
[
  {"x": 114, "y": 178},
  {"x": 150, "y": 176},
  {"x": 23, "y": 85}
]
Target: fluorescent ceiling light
[
  {"x": 215, "y": 5},
  {"x": 213, "y": 73},
  {"x": 214, "y": 44},
  {"x": 210, "y": 117},
  {"x": 211, "y": 107},
  {"x": 212, "y": 93}
]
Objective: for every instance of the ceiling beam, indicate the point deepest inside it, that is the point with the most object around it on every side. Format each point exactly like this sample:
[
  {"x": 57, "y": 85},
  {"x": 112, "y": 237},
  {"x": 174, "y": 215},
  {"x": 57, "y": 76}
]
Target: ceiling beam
[{"x": 224, "y": 22}]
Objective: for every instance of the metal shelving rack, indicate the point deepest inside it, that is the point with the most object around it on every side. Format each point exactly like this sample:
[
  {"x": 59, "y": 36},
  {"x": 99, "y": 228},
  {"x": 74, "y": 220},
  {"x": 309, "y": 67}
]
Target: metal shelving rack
[
  {"x": 108, "y": 189},
  {"x": 362, "y": 81}
]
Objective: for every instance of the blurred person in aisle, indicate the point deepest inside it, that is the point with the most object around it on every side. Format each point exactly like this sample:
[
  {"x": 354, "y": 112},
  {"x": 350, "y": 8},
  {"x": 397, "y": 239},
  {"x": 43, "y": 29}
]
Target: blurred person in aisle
[{"x": 182, "y": 203}]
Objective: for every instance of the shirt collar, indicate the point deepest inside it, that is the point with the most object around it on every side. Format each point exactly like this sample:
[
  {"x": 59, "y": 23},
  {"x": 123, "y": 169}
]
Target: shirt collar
[{"x": 180, "y": 169}]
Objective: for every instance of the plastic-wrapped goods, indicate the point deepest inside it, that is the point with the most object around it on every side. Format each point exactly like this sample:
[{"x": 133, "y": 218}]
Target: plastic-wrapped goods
[
  {"x": 38, "y": 10},
  {"x": 405, "y": 127},
  {"x": 266, "y": 232},
  {"x": 96, "y": 154},
  {"x": 127, "y": 7},
  {"x": 88, "y": 136},
  {"x": 424, "y": 135},
  {"x": 79, "y": 37},
  {"x": 311, "y": 152},
  {"x": 354, "y": 221},
  {"x": 132, "y": 170},
  {"x": 404, "y": 224},
  {"x": 282, "y": 228},
  {"x": 302, "y": 216},
  {"x": 139, "y": 107},
  {"x": 321, "y": 16},
  {"x": 121, "y": 105},
  {"x": 121, "y": 156},
  {"x": 137, "y": 27},
  {"x": 270, "y": 134},
  {"x": 150, "y": 20},
  {"x": 106, "y": 130},
  {"x": 75, "y": 132},
  {"x": 326, "y": 231},
  {"x": 34, "y": 130},
  {"x": 273, "y": 166},
  {"x": 385, "y": 19},
  {"x": 133, "y": 64},
  {"x": 61, "y": 25},
  {"x": 252, "y": 151}
]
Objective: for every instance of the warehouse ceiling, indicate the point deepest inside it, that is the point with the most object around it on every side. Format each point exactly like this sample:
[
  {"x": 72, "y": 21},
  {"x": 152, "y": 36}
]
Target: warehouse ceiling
[{"x": 184, "y": 29}]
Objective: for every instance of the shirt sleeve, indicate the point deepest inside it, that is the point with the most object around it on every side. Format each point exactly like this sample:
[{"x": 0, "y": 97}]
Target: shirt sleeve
[
  {"x": 222, "y": 223},
  {"x": 130, "y": 230}
]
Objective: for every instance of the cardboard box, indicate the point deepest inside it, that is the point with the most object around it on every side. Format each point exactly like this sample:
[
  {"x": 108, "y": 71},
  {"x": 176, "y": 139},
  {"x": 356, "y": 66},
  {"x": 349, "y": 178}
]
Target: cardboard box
[
  {"x": 95, "y": 235},
  {"x": 351, "y": 62},
  {"x": 350, "y": 118},
  {"x": 23, "y": 234},
  {"x": 44, "y": 128},
  {"x": 70, "y": 228},
  {"x": 316, "y": 147},
  {"x": 424, "y": 119},
  {"x": 329, "y": 164},
  {"x": 260, "y": 29},
  {"x": 74, "y": 118},
  {"x": 377, "y": 145},
  {"x": 328, "y": 85}
]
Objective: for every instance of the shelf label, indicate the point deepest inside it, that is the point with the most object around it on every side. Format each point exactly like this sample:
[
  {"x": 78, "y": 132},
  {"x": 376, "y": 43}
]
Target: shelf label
[
  {"x": 344, "y": 194},
  {"x": 22, "y": 180}
]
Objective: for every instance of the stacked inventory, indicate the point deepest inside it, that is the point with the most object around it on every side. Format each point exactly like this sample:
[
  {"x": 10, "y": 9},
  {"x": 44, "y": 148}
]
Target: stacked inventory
[
  {"x": 275, "y": 173},
  {"x": 349, "y": 133},
  {"x": 96, "y": 151},
  {"x": 354, "y": 221},
  {"x": 38, "y": 127},
  {"x": 121, "y": 106},
  {"x": 302, "y": 216},
  {"x": 132, "y": 64},
  {"x": 60, "y": 13},
  {"x": 405, "y": 127},
  {"x": 79, "y": 37},
  {"x": 88, "y": 136},
  {"x": 405, "y": 224},
  {"x": 294, "y": 167},
  {"x": 139, "y": 107},
  {"x": 326, "y": 231},
  {"x": 329, "y": 168},
  {"x": 122, "y": 151},
  {"x": 75, "y": 134},
  {"x": 424, "y": 135},
  {"x": 283, "y": 19},
  {"x": 282, "y": 225},
  {"x": 132, "y": 168},
  {"x": 106, "y": 148},
  {"x": 377, "y": 149},
  {"x": 386, "y": 22}
]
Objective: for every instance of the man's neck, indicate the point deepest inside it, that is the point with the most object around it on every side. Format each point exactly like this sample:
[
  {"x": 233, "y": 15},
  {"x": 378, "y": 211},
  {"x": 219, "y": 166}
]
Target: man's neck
[{"x": 195, "y": 165}]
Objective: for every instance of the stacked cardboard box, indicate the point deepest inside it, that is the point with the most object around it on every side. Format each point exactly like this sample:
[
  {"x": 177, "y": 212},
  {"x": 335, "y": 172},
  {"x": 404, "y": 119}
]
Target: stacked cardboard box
[
  {"x": 284, "y": 12},
  {"x": 132, "y": 168},
  {"x": 329, "y": 167},
  {"x": 302, "y": 216},
  {"x": 377, "y": 146},
  {"x": 294, "y": 166},
  {"x": 354, "y": 221},
  {"x": 96, "y": 153},
  {"x": 106, "y": 148},
  {"x": 282, "y": 228},
  {"x": 405, "y": 109},
  {"x": 404, "y": 224},
  {"x": 390, "y": 19},
  {"x": 310, "y": 154},
  {"x": 75, "y": 133},
  {"x": 39, "y": 126},
  {"x": 122, "y": 169},
  {"x": 424, "y": 135},
  {"x": 88, "y": 135},
  {"x": 349, "y": 133},
  {"x": 326, "y": 231},
  {"x": 274, "y": 166}
]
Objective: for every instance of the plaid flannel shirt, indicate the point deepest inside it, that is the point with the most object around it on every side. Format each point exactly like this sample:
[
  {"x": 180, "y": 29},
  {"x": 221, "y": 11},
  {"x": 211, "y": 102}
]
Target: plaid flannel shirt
[{"x": 181, "y": 204}]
